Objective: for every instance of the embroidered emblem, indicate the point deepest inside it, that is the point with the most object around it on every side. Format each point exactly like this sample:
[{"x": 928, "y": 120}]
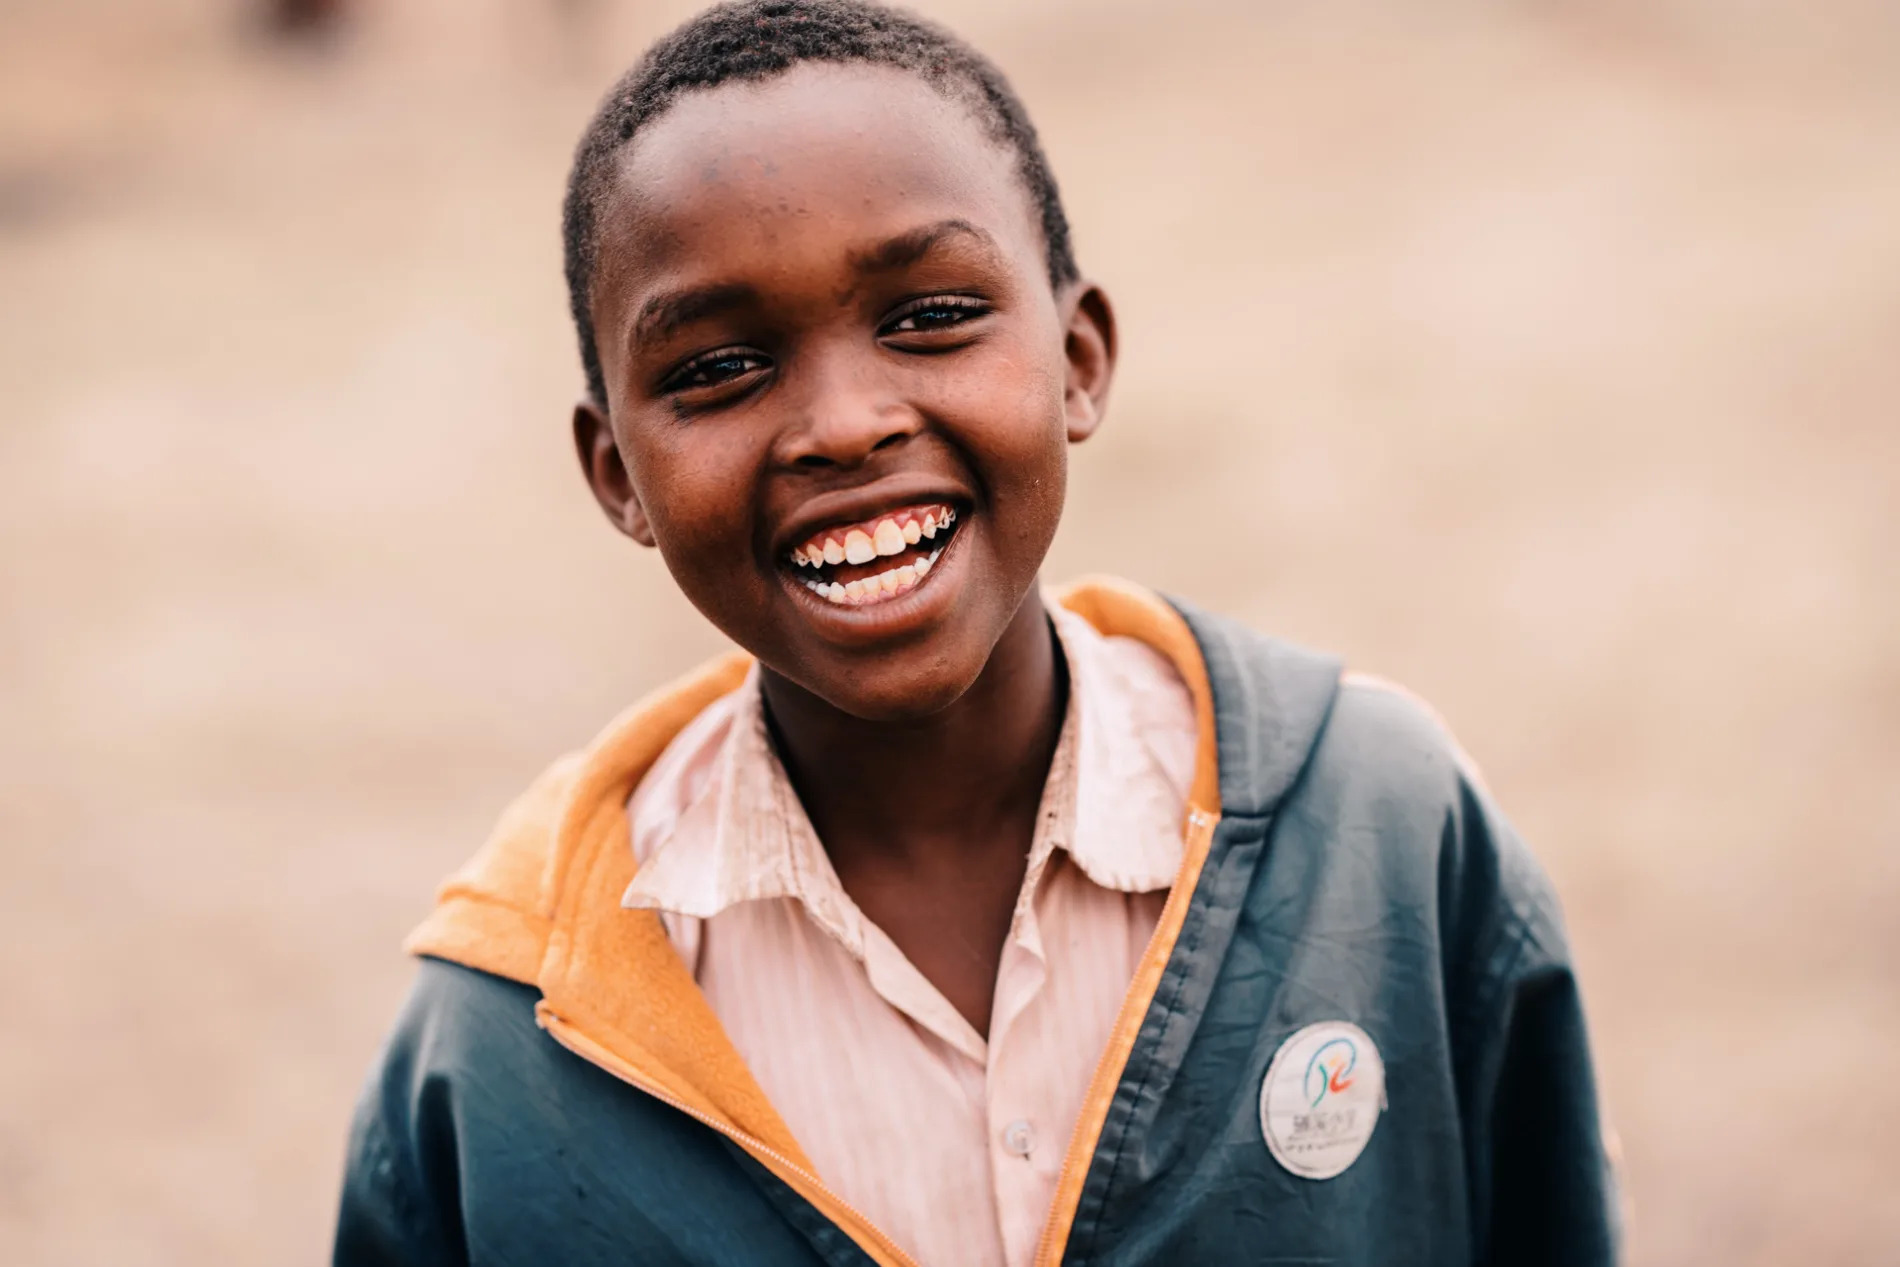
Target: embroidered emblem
[{"x": 1321, "y": 1097}]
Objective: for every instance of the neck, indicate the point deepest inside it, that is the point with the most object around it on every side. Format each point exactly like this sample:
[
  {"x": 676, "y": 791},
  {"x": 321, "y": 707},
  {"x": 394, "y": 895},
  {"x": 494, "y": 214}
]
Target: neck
[{"x": 922, "y": 790}]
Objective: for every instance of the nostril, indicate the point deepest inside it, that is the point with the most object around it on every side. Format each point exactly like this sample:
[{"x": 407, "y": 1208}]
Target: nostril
[
  {"x": 896, "y": 437},
  {"x": 813, "y": 461}
]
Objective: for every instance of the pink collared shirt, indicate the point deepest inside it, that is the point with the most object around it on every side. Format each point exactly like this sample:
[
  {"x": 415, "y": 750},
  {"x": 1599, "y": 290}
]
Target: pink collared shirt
[{"x": 948, "y": 1143}]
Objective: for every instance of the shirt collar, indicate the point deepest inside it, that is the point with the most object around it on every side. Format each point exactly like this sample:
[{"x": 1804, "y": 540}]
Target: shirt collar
[
  {"x": 1134, "y": 758},
  {"x": 739, "y": 836}
]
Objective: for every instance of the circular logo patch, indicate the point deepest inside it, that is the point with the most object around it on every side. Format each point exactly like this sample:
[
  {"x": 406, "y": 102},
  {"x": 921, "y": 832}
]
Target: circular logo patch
[{"x": 1322, "y": 1096}]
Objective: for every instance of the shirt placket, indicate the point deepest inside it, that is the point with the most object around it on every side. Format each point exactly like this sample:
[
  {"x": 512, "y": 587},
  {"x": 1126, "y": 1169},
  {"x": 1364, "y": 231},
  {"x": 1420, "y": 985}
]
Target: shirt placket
[{"x": 1023, "y": 1140}]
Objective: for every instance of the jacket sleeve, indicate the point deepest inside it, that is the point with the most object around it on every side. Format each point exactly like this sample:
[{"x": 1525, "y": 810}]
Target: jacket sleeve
[
  {"x": 400, "y": 1205},
  {"x": 1542, "y": 1189}
]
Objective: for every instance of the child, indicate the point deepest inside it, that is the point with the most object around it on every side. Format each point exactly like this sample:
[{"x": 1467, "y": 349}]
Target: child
[{"x": 947, "y": 925}]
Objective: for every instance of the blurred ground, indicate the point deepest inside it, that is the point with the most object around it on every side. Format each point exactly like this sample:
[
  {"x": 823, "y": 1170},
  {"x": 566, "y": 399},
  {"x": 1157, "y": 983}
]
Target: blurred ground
[{"x": 1544, "y": 356}]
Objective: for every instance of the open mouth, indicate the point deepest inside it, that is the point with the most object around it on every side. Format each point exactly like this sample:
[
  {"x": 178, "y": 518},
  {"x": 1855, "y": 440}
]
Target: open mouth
[{"x": 876, "y": 560}]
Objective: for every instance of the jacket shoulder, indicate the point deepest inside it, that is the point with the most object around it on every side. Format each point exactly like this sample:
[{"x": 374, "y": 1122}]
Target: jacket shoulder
[
  {"x": 1397, "y": 745},
  {"x": 1389, "y": 763},
  {"x": 495, "y": 913}
]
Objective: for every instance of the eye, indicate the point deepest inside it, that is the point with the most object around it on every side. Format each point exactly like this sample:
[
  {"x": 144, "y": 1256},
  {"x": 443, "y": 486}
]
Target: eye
[
  {"x": 938, "y": 312},
  {"x": 714, "y": 369}
]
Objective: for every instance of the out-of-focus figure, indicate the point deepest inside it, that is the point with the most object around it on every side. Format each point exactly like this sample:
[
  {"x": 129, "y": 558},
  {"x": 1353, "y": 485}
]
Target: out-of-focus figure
[
  {"x": 304, "y": 17},
  {"x": 318, "y": 17}
]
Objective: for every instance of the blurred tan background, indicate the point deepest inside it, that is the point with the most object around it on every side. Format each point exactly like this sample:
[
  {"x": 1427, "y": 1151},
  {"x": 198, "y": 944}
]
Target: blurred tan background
[{"x": 1544, "y": 356}]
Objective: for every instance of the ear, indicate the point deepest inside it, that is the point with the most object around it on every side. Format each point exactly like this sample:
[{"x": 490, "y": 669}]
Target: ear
[
  {"x": 1089, "y": 347},
  {"x": 606, "y": 472}
]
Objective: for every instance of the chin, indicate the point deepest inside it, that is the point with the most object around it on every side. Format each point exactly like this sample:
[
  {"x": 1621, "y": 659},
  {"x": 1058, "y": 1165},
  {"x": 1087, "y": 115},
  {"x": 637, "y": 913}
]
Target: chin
[{"x": 897, "y": 688}]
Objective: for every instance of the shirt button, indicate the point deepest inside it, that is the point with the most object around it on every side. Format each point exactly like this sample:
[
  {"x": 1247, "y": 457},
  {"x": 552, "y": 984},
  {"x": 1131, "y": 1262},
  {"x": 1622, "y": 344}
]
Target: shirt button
[{"x": 1019, "y": 1137}]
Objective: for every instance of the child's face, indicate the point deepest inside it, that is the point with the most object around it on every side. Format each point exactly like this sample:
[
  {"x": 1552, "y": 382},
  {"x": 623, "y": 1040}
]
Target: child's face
[{"x": 822, "y": 302}]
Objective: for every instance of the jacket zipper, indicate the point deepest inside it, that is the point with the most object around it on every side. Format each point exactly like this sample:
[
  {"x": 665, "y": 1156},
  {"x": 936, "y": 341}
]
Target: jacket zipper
[
  {"x": 595, "y": 1054},
  {"x": 1048, "y": 1253},
  {"x": 1045, "y": 1244}
]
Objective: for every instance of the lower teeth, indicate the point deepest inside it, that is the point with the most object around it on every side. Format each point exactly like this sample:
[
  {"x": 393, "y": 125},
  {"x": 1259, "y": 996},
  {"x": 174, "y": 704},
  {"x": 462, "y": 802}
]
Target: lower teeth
[{"x": 873, "y": 589}]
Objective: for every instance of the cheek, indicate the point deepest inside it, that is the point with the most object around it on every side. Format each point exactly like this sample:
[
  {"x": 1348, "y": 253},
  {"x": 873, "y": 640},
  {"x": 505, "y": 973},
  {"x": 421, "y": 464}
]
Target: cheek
[
  {"x": 1012, "y": 411},
  {"x": 693, "y": 486},
  {"x": 1023, "y": 433}
]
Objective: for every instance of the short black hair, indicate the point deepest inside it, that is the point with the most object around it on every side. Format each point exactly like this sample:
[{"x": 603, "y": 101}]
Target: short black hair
[{"x": 755, "y": 40}]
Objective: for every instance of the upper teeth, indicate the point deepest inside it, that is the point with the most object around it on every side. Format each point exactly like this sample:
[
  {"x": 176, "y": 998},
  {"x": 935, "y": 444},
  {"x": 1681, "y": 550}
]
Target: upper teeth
[{"x": 860, "y": 543}]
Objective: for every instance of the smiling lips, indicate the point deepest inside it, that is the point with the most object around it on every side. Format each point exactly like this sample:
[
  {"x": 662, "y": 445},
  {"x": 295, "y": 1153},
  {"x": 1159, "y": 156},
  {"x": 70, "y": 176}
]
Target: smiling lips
[{"x": 835, "y": 552}]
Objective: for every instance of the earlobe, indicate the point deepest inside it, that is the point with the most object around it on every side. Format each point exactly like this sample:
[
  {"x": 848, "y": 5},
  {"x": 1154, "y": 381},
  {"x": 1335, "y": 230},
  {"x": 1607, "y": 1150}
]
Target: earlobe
[
  {"x": 606, "y": 472},
  {"x": 1089, "y": 346}
]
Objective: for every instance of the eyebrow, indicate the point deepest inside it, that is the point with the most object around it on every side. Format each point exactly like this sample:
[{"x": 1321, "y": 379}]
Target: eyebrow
[
  {"x": 912, "y": 245},
  {"x": 669, "y": 310}
]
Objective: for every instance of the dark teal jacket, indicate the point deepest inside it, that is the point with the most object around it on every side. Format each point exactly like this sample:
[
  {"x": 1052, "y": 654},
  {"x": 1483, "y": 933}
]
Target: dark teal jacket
[{"x": 557, "y": 1093}]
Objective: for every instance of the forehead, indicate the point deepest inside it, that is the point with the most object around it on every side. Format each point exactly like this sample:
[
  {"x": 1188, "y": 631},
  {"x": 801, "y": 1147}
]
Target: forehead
[{"x": 802, "y": 167}]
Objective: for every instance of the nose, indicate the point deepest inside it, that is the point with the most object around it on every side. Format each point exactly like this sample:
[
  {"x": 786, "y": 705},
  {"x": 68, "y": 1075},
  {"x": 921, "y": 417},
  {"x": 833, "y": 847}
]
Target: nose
[{"x": 843, "y": 419}]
